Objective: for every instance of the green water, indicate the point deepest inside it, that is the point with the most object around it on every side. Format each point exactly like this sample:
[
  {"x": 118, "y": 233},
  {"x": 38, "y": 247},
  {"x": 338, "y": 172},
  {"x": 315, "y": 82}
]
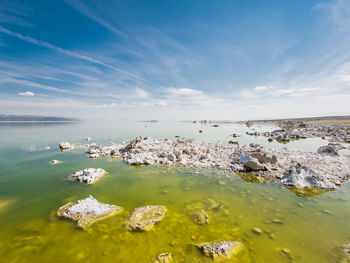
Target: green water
[{"x": 31, "y": 190}]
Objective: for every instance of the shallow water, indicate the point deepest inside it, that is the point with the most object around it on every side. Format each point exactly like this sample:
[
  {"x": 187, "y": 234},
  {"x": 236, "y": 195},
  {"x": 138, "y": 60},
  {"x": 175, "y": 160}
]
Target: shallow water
[{"x": 31, "y": 190}]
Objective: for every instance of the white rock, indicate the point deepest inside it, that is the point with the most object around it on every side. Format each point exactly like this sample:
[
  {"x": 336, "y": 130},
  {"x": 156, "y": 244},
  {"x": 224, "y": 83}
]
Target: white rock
[
  {"x": 65, "y": 146},
  {"x": 87, "y": 211},
  {"x": 89, "y": 175},
  {"x": 55, "y": 161},
  {"x": 304, "y": 177}
]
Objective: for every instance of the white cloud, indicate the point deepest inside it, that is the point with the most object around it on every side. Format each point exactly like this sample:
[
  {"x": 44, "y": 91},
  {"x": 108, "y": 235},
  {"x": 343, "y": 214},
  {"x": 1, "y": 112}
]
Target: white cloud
[
  {"x": 141, "y": 93},
  {"x": 262, "y": 87},
  {"x": 183, "y": 91},
  {"x": 26, "y": 93},
  {"x": 345, "y": 78},
  {"x": 162, "y": 103},
  {"x": 281, "y": 92}
]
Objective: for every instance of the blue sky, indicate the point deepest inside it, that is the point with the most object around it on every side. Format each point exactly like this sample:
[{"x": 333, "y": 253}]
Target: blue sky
[{"x": 175, "y": 59}]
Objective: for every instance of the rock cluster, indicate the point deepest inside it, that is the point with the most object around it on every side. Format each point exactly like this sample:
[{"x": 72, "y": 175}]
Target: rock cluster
[
  {"x": 87, "y": 211},
  {"x": 329, "y": 170},
  {"x": 333, "y": 132},
  {"x": 88, "y": 175},
  {"x": 144, "y": 218},
  {"x": 220, "y": 250},
  {"x": 284, "y": 135}
]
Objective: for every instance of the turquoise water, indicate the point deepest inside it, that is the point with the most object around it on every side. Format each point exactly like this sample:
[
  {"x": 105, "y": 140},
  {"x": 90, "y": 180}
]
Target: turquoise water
[{"x": 31, "y": 191}]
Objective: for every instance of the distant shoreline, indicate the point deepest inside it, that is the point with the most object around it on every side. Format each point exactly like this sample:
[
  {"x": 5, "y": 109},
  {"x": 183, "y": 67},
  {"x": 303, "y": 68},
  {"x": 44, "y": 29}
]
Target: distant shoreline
[
  {"x": 34, "y": 118},
  {"x": 39, "y": 121},
  {"x": 310, "y": 120}
]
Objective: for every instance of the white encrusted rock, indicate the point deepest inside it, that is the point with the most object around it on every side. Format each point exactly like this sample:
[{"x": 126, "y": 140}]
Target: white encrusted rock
[
  {"x": 88, "y": 175},
  {"x": 301, "y": 176},
  {"x": 65, "y": 146},
  {"x": 87, "y": 211}
]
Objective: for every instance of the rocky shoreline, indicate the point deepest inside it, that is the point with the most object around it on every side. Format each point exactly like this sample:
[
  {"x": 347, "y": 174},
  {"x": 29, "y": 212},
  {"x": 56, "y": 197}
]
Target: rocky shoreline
[
  {"x": 325, "y": 169},
  {"x": 291, "y": 130}
]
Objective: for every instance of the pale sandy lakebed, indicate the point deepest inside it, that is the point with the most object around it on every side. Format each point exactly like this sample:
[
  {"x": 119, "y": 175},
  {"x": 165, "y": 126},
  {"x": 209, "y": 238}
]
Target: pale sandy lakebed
[{"x": 293, "y": 227}]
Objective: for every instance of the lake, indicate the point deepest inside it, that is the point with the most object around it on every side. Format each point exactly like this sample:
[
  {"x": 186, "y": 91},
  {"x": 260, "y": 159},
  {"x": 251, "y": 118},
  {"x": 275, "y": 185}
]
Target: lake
[{"x": 294, "y": 227}]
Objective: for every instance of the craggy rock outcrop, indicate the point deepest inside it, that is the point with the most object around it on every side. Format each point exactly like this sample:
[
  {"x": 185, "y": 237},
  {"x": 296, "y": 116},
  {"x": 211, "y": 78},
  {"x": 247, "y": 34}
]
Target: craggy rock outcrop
[
  {"x": 163, "y": 258},
  {"x": 268, "y": 164},
  {"x": 301, "y": 176},
  {"x": 144, "y": 218},
  {"x": 220, "y": 250},
  {"x": 199, "y": 211},
  {"x": 328, "y": 150},
  {"x": 88, "y": 175},
  {"x": 65, "y": 146},
  {"x": 87, "y": 211}
]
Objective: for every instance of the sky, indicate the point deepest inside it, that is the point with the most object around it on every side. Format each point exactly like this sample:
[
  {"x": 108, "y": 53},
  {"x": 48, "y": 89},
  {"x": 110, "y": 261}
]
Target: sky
[{"x": 176, "y": 60}]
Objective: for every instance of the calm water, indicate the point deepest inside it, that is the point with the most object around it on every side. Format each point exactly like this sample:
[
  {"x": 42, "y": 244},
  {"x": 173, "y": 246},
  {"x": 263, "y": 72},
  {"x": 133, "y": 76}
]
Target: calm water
[{"x": 31, "y": 190}]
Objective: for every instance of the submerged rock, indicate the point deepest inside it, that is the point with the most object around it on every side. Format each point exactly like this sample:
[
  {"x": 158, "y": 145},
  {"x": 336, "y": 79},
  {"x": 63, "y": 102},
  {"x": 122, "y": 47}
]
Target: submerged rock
[
  {"x": 65, "y": 146},
  {"x": 163, "y": 258},
  {"x": 4, "y": 203},
  {"x": 87, "y": 211},
  {"x": 144, "y": 218},
  {"x": 199, "y": 216},
  {"x": 199, "y": 211},
  {"x": 346, "y": 248},
  {"x": 219, "y": 250},
  {"x": 256, "y": 230},
  {"x": 89, "y": 175}
]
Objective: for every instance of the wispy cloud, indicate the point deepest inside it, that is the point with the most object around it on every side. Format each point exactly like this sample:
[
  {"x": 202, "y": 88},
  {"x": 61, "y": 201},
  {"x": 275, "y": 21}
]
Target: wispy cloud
[
  {"x": 32, "y": 84},
  {"x": 14, "y": 12},
  {"x": 70, "y": 53},
  {"x": 85, "y": 10},
  {"x": 337, "y": 12}
]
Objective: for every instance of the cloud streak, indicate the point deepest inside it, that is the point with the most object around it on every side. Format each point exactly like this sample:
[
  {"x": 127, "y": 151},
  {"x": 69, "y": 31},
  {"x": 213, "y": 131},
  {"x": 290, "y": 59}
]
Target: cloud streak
[{"x": 71, "y": 53}]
